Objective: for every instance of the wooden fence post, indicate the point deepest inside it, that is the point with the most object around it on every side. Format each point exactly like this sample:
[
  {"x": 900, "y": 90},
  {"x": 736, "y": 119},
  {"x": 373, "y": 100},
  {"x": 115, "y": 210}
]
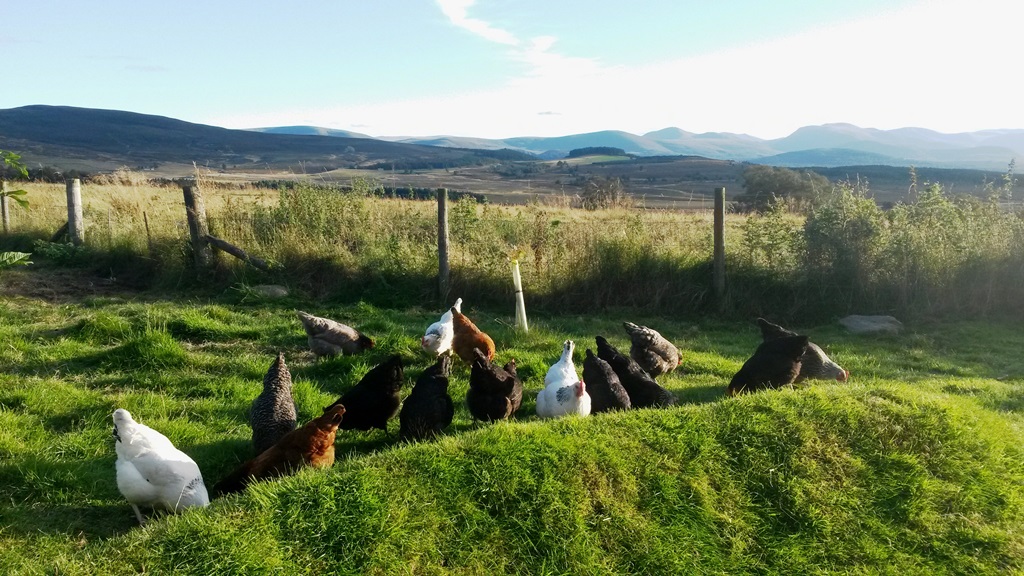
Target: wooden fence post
[
  {"x": 718, "y": 269},
  {"x": 443, "y": 269},
  {"x": 6, "y": 215},
  {"x": 76, "y": 222},
  {"x": 195, "y": 211}
]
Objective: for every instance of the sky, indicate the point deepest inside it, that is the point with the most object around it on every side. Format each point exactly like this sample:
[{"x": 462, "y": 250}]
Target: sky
[{"x": 506, "y": 68}]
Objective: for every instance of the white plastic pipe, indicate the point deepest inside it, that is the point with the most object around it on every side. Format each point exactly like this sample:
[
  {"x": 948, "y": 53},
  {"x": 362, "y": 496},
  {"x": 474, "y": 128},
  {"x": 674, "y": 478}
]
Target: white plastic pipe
[{"x": 517, "y": 281}]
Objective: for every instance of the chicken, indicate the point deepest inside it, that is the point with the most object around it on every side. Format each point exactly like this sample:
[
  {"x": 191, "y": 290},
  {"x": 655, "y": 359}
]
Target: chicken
[
  {"x": 329, "y": 338},
  {"x": 814, "y": 364},
  {"x": 429, "y": 409},
  {"x": 495, "y": 393},
  {"x": 272, "y": 414},
  {"x": 563, "y": 393},
  {"x": 375, "y": 398},
  {"x": 643, "y": 391},
  {"x": 151, "y": 471},
  {"x": 606, "y": 392},
  {"x": 467, "y": 337},
  {"x": 311, "y": 445},
  {"x": 651, "y": 350},
  {"x": 775, "y": 363},
  {"x": 438, "y": 338}
]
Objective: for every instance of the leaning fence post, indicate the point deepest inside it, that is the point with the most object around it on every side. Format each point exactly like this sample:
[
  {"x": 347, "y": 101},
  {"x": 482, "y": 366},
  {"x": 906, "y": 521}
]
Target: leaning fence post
[
  {"x": 718, "y": 270},
  {"x": 443, "y": 269},
  {"x": 195, "y": 211},
  {"x": 3, "y": 207},
  {"x": 76, "y": 222}
]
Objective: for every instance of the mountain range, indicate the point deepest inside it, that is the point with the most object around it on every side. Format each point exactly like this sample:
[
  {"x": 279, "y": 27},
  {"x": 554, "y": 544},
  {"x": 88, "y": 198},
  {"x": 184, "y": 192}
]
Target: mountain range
[
  {"x": 70, "y": 137},
  {"x": 828, "y": 145}
]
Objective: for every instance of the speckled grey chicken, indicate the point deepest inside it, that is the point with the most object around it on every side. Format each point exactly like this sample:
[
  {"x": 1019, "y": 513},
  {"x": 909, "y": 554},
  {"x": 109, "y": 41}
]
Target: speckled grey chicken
[
  {"x": 774, "y": 364},
  {"x": 643, "y": 391},
  {"x": 495, "y": 392},
  {"x": 606, "y": 391},
  {"x": 652, "y": 351},
  {"x": 329, "y": 338},
  {"x": 375, "y": 399},
  {"x": 272, "y": 414},
  {"x": 429, "y": 408},
  {"x": 814, "y": 363}
]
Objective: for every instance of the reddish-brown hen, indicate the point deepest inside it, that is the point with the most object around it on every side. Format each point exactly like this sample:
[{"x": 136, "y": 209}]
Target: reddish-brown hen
[
  {"x": 467, "y": 337},
  {"x": 311, "y": 445}
]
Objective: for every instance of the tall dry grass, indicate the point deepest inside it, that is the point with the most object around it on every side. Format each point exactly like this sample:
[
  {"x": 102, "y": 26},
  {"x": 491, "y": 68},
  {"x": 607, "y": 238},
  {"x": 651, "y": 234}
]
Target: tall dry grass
[{"x": 936, "y": 256}]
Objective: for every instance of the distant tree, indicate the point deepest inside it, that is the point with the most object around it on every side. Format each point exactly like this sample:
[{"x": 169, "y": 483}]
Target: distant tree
[
  {"x": 596, "y": 151},
  {"x": 763, "y": 184}
]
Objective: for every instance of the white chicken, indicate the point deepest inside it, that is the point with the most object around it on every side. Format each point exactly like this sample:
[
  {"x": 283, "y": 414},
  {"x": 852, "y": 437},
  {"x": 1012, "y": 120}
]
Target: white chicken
[
  {"x": 563, "y": 393},
  {"x": 151, "y": 471},
  {"x": 438, "y": 338}
]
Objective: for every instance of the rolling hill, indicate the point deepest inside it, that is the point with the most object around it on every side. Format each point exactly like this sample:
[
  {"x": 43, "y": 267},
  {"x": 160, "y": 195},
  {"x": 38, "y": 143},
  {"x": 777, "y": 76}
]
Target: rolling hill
[{"x": 65, "y": 136}]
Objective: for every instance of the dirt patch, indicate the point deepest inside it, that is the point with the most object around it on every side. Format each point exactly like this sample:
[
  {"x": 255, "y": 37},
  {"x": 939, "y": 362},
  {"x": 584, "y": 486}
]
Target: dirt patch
[{"x": 59, "y": 285}]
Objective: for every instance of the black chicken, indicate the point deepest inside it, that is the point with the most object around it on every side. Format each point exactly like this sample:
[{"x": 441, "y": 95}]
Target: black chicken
[
  {"x": 495, "y": 393},
  {"x": 814, "y": 363},
  {"x": 606, "y": 392},
  {"x": 774, "y": 364},
  {"x": 375, "y": 399},
  {"x": 643, "y": 391},
  {"x": 429, "y": 409}
]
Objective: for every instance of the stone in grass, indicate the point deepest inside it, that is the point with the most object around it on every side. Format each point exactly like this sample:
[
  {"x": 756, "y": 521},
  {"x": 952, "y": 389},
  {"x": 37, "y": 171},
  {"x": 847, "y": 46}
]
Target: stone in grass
[{"x": 872, "y": 324}]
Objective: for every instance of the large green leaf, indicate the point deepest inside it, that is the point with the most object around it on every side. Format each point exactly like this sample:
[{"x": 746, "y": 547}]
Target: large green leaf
[
  {"x": 16, "y": 195},
  {"x": 8, "y": 259}
]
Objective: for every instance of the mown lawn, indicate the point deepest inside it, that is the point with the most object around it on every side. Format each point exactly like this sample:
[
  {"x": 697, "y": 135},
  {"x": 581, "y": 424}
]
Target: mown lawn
[{"x": 916, "y": 466}]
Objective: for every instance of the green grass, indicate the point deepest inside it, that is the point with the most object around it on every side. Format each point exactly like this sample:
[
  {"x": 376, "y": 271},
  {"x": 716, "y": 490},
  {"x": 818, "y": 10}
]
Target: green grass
[{"x": 915, "y": 466}]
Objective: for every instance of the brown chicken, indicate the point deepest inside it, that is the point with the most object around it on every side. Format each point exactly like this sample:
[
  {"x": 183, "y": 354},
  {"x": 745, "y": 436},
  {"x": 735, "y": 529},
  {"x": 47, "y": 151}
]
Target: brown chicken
[
  {"x": 311, "y": 445},
  {"x": 467, "y": 337}
]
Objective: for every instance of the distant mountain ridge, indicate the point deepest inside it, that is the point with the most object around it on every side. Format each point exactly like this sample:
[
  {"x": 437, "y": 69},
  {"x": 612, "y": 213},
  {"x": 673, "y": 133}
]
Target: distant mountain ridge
[
  {"x": 112, "y": 138},
  {"x": 67, "y": 135},
  {"x": 827, "y": 145}
]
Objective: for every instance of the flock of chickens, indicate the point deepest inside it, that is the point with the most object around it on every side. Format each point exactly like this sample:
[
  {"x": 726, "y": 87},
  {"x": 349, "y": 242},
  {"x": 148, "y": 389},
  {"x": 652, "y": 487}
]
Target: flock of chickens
[{"x": 152, "y": 472}]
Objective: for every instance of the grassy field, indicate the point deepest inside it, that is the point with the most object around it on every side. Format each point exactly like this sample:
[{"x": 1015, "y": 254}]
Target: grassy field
[{"x": 916, "y": 466}]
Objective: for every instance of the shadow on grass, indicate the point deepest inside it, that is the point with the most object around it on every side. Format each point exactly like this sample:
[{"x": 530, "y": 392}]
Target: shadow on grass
[
  {"x": 84, "y": 521},
  {"x": 49, "y": 485},
  {"x": 699, "y": 394}
]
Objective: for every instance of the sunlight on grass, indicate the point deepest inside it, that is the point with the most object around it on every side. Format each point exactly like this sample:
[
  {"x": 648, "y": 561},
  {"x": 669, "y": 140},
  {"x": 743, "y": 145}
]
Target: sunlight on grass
[{"x": 915, "y": 465}]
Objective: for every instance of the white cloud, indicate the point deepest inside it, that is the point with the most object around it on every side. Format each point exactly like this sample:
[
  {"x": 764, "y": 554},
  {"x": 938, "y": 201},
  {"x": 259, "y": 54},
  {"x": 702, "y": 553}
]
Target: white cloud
[
  {"x": 458, "y": 12},
  {"x": 945, "y": 65}
]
